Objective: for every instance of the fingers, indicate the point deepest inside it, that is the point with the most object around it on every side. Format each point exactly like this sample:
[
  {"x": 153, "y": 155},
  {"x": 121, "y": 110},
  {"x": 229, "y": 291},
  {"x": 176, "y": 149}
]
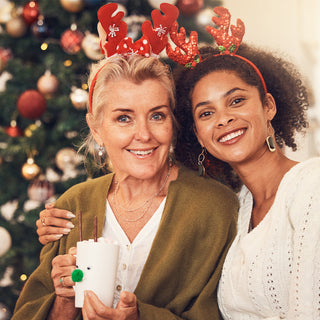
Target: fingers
[
  {"x": 53, "y": 223},
  {"x": 127, "y": 300},
  {"x": 62, "y": 267},
  {"x": 93, "y": 308}
]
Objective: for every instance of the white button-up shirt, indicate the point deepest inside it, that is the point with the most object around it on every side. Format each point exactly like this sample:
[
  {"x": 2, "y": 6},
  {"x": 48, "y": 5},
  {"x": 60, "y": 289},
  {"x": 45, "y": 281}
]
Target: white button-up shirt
[{"x": 132, "y": 256}]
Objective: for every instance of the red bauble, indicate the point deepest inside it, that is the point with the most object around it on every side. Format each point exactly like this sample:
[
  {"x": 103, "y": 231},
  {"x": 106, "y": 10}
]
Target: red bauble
[
  {"x": 40, "y": 190},
  {"x": 71, "y": 41},
  {"x": 31, "y": 104},
  {"x": 31, "y": 12},
  {"x": 14, "y": 131},
  {"x": 189, "y": 7}
]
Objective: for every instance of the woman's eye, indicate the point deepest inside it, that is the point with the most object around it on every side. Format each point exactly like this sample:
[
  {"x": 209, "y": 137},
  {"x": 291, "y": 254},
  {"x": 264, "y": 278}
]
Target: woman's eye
[
  {"x": 158, "y": 116},
  {"x": 205, "y": 114},
  {"x": 123, "y": 118},
  {"x": 237, "y": 101}
]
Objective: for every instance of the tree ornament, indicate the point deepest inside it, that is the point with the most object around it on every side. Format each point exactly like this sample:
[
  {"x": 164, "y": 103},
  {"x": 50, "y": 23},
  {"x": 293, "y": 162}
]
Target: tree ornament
[
  {"x": 16, "y": 27},
  {"x": 71, "y": 41},
  {"x": 43, "y": 27},
  {"x": 4, "y": 77},
  {"x": 204, "y": 17},
  {"x": 6, "y": 11},
  {"x": 13, "y": 130},
  {"x": 31, "y": 128},
  {"x": 40, "y": 190},
  {"x": 67, "y": 159},
  {"x": 5, "y": 56},
  {"x": 8, "y": 209},
  {"x": 30, "y": 170},
  {"x": 5, "y": 240},
  {"x": 189, "y": 7},
  {"x": 91, "y": 46},
  {"x": 79, "y": 98},
  {"x": 48, "y": 84},
  {"x": 31, "y": 104},
  {"x": 72, "y": 5},
  {"x": 30, "y": 12},
  {"x": 4, "y": 312},
  {"x": 134, "y": 23},
  {"x": 156, "y": 3}
]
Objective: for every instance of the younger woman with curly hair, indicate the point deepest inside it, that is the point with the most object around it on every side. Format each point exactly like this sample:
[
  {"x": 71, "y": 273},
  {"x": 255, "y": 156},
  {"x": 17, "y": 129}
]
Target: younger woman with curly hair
[{"x": 237, "y": 115}]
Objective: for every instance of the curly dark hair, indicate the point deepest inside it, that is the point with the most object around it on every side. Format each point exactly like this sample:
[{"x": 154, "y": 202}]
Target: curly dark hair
[{"x": 283, "y": 81}]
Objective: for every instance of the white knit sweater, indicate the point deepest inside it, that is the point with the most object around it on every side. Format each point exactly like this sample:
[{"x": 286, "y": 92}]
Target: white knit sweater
[{"x": 273, "y": 272}]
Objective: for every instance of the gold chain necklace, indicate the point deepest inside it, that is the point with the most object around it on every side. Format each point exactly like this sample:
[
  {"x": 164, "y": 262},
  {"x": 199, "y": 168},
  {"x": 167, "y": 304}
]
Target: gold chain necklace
[{"x": 115, "y": 202}]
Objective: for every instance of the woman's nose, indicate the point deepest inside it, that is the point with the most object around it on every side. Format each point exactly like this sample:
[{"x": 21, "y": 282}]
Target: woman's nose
[
  {"x": 224, "y": 118},
  {"x": 142, "y": 131}
]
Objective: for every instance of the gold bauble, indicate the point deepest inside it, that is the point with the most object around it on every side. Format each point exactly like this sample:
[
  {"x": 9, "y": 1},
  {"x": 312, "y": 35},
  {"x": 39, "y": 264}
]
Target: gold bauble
[
  {"x": 16, "y": 27},
  {"x": 72, "y": 5},
  {"x": 30, "y": 169}
]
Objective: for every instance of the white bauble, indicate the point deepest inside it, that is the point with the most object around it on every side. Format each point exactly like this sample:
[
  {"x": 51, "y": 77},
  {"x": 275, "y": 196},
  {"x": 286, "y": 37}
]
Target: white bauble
[{"x": 5, "y": 240}]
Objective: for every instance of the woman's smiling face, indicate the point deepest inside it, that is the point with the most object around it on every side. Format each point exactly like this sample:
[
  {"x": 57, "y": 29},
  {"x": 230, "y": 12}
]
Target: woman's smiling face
[
  {"x": 230, "y": 119},
  {"x": 137, "y": 127}
]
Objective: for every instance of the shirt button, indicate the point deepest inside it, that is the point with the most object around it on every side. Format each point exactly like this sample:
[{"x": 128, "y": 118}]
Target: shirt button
[
  {"x": 128, "y": 247},
  {"x": 124, "y": 266},
  {"x": 118, "y": 287}
]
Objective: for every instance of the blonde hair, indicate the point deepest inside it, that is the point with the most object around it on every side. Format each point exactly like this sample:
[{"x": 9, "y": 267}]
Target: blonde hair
[{"x": 134, "y": 68}]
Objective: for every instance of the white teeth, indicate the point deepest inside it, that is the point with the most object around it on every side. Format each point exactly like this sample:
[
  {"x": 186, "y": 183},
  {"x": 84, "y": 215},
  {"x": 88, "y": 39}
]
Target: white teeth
[
  {"x": 141, "y": 152},
  {"x": 232, "y": 135}
]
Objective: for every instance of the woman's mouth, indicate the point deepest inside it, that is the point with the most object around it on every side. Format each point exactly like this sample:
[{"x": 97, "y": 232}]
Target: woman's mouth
[
  {"x": 141, "y": 153},
  {"x": 231, "y": 135}
]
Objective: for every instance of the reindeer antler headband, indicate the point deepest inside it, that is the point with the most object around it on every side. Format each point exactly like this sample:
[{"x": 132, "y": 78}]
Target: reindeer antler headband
[
  {"x": 113, "y": 40},
  {"x": 227, "y": 44}
]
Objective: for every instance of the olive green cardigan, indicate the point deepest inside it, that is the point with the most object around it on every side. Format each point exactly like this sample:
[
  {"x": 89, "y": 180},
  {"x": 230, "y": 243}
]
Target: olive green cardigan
[{"x": 180, "y": 277}]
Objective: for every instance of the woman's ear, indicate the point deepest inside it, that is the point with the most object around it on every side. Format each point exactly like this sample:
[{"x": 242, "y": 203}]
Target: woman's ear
[
  {"x": 94, "y": 131},
  {"x": 270, "y": 106}
]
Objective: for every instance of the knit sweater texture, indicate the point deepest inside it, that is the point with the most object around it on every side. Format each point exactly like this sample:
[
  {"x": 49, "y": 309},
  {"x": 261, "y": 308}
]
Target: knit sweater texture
[{"x": 273, "y": 271}]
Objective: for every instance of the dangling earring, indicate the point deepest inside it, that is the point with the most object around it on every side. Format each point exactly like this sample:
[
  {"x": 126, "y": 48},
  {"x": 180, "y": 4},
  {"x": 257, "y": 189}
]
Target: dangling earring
[
  {"x": 101, "y": 151},
  {"x": 269, "y": 140},
  {"x": 201, "y": 168},
  {"x": 270, "y": 144}
]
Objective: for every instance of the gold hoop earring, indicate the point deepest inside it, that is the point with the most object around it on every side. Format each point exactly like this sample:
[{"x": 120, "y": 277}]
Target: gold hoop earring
[{"x": 201, "y": 167}]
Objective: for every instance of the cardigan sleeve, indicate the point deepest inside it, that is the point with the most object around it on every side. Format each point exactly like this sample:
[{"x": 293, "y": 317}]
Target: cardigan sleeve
[{"x": 304, "y": 216}]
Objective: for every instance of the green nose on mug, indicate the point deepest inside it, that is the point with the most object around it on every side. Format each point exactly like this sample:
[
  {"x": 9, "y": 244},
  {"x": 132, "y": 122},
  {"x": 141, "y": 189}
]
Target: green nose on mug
[{"x": 77, "y": 275}]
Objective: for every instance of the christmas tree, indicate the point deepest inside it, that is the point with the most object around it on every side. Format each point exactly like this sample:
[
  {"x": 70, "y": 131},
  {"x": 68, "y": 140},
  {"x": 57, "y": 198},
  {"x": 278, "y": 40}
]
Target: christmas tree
[{"x": 46, "y": 48}]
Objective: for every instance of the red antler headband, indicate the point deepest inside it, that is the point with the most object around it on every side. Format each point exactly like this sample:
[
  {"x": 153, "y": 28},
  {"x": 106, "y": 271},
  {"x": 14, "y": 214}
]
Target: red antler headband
[
  {"x": 227, "y": 44},
  {"x": 113, "y": 40}
]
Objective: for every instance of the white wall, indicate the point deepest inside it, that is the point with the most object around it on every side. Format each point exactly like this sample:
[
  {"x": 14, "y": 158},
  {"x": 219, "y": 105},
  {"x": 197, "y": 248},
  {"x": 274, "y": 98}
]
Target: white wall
[{"x": 291, "y": 27}]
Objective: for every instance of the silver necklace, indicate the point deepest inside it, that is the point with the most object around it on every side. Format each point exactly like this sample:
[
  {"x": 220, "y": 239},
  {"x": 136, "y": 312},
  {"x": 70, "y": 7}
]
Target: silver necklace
[{"x": 115, "y": 202}]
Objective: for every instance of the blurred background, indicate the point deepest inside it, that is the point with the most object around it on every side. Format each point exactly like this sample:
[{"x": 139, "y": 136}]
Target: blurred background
[{"x": 46, "y": 48}]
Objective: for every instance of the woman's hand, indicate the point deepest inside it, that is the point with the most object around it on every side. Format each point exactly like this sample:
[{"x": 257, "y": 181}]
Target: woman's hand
[
  {"x": 53, "y": 223},
  {"x": 126, "y": 309},
  {"x": 64, "y": 304},
  {"x": 62, "y": 267}
]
